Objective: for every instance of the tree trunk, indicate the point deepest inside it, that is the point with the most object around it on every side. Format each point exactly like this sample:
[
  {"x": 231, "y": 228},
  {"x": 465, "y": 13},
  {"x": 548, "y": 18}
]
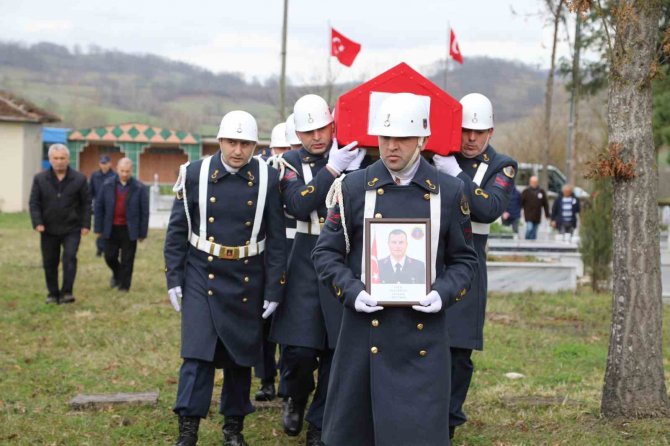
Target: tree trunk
[
  {"x": 634, "y": 382},
  {"x": 549, "y": 93}
]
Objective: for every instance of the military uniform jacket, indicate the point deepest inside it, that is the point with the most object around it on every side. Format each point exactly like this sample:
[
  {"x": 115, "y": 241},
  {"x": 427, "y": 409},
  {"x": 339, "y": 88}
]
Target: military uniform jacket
[
  {"x": 222, "y": 298},
  {"x": 487, "y": 202},
  {"x": 310, "y": 316},
  {"x": 389, "y": 382},
  {"x": 413, "y": 271}
]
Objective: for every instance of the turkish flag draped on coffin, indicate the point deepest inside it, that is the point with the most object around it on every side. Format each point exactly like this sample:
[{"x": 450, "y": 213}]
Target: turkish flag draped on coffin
[{"x": 343, "y": 48}]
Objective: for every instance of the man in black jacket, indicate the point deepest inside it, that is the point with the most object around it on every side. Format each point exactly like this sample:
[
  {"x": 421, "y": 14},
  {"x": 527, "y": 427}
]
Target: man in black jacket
[
  {"x": 121, "y": 219},
  {"x": 60, "y": 210},
  {"x": 97, "y": 179}
]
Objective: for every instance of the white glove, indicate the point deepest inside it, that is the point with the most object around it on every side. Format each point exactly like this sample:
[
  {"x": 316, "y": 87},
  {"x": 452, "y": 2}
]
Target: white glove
[
  {"x": 365, "y": 303},
  {"x": 269, "y": 308},
  {"x": 447, "y": 164},
  {"x": 339, "y": 159},
  {"x": 175, "y": 297},
  {"x": 356, "y": 163},
  {"x": 432, "y": 303}
]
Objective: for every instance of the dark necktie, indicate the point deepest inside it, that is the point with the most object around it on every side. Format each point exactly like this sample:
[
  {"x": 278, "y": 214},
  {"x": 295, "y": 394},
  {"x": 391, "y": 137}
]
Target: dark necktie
[{"x": 397, "y": 268}]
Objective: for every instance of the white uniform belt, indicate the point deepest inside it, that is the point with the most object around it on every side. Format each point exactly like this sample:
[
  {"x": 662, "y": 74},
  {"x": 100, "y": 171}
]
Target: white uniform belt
[
  {"x": 290, "y": 232},
  {"x": 227, "y": 252},
  {"x": 481, "y": 228},
  {"x": 307, "y": 227}
]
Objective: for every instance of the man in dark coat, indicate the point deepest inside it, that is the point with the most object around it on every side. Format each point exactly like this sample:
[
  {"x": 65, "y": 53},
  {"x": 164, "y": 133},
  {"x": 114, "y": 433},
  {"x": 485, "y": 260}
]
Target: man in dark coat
[
  {"x": 307, "y": 324},
  {"x": 398, "y": 267},
  {"x": 564, "y": 213},
  {"x": 121, "y": 219},
  {"x": 225, "y": 248},
  {"x": 533, "y": 201},
  {"x": 60, "y": 210},
  {"x": 489, "y": 182},
  {"x": 95, "y": 183},
  {"x": 390, "y": 377}
]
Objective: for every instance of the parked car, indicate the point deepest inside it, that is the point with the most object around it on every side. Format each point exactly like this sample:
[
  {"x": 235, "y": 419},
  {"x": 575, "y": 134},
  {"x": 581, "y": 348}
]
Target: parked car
[{"x": 556, "y": 180}]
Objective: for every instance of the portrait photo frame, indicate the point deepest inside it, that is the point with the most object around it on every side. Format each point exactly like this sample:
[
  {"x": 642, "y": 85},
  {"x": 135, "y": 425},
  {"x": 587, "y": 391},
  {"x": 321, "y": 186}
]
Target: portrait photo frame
[{"x": 397, "y": 260}]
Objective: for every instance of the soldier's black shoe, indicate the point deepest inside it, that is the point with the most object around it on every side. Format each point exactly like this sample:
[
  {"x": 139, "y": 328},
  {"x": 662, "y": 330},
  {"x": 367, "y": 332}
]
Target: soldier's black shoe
[
  {"x": 232, "y": 431},
  {"x": 266, "y": 392},
  {"x": 452, "y": 431},
  {"x": 98, "y": 253},
  {"x": 313, "y": 436},
  {"x": 52, "y": 299},
  {"x": 67, "y": 299},
  {"x": 293, "y": 413},
  {"x": 188, "y": 431}
]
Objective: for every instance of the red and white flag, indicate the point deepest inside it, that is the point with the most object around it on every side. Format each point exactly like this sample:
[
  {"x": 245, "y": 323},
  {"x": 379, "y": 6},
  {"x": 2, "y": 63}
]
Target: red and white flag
[
  {"x": 374, "y": 266},
  {"x": 343, "y": 48},
  {"x": 454, "y": 50}
]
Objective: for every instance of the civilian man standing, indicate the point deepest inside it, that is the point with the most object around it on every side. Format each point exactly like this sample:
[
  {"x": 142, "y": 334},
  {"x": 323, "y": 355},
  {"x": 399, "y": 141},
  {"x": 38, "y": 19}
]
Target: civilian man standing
[
  {"x": 533, "y": 200},
  {"x": 97, "y": 179},
  {"x": 122, "y": 218},
  {"x": 60, "y": 210}
]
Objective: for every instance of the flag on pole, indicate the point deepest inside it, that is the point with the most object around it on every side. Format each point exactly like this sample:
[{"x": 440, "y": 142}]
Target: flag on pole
[
  {"x": 343, "y": 48},
  {"x": 454, "y": 50},
  {"x": 374, "y": 266}
]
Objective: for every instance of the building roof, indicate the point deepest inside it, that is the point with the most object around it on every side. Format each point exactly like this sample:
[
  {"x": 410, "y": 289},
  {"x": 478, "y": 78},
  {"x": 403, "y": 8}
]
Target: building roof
[
  {"x": 14, "y": 108},
  {"x": 134, "y": 132}
]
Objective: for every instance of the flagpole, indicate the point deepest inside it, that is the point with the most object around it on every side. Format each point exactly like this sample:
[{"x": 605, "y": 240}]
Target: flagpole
[
  {"x": 329, "y": 82},
  {"x": 282, "y": 77},
  {"x": 446, "y": 56}
]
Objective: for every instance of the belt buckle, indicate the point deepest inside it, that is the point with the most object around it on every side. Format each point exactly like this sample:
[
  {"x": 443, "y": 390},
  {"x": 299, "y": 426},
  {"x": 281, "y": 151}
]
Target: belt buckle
[{"x": 229, "y": 253}]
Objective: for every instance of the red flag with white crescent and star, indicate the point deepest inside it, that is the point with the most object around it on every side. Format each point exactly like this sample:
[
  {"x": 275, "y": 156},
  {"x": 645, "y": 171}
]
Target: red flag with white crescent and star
[
  {"x": 454, "y": 49},
  {"x": 374, "y": 266},
  {"x": 343, "y": 48}
]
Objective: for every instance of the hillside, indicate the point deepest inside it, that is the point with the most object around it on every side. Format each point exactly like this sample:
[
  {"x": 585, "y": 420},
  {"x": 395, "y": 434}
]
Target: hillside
[{"x": 102, "y": 87}]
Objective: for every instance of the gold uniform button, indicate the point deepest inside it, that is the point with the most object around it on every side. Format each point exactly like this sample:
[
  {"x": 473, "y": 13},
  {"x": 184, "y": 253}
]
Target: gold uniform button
[
  {"x": 211, "y": 219},
  {"x": 250, "y": 183},
  {"x": 419, "y": 326},
  {"x": 212, "y": 199},
  {"x": 210, "y": 258},
  {"x": 244, "y": 299},
  {"x": 380, "y": 191},
  {"x": 423, "y": 353},
  {"x": 378, "y": 215},
  {"x": 321, "y": 220},
  {"x": 312, "y": 164},
  {"x": 211, "y": 239},
  {"x": 246, "y": 279},
  {"x": 474, "y": 166},
  {"x": 375, "y": 323},
  {"x": 374, "y": 350},
  {"x": 250, "y": 203},
  {"x": 426, "y": 197},
  {"x": 210, "y": 292},
  {"x": 247, "y": 223},
  {"x": 211, "y": 276}
]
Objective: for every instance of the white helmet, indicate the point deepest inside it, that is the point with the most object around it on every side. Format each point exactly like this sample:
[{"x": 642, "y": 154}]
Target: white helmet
[
  {"x": 311, "y": 112},
  {"x": 291, "y": 137},
  {"x": 402, "y": 114},
  {"x": 477, "y": 112},
  {"x": 238, "y": 124},
  {"x": 278, "y": 136}
]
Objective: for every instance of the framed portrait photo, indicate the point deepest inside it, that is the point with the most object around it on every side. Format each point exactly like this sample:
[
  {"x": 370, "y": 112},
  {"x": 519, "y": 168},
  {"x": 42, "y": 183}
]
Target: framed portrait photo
[{"x": 397, "y": 260}]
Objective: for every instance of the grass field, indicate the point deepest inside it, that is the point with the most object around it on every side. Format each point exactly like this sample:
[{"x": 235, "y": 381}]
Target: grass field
[{"x": 112, "y": 342}]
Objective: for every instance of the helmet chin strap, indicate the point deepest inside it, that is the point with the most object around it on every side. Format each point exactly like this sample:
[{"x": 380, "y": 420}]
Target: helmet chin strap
[{"x": 410, "y": 168}]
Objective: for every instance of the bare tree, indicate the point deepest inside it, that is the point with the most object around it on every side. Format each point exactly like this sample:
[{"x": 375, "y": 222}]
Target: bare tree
[
  {"x": 556, "y": 9},
  {"x": 634, "y": 379}
]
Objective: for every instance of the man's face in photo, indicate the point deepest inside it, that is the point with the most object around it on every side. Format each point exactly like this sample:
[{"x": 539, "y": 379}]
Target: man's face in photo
[{"x": 398, "y": 245}]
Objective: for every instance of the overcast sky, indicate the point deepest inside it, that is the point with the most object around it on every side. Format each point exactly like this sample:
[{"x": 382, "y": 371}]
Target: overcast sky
[{"x": 244, "y": 36}]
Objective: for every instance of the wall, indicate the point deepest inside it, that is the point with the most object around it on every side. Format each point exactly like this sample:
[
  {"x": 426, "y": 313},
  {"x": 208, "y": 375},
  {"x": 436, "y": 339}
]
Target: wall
[{"x": 16, "y": 179}]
